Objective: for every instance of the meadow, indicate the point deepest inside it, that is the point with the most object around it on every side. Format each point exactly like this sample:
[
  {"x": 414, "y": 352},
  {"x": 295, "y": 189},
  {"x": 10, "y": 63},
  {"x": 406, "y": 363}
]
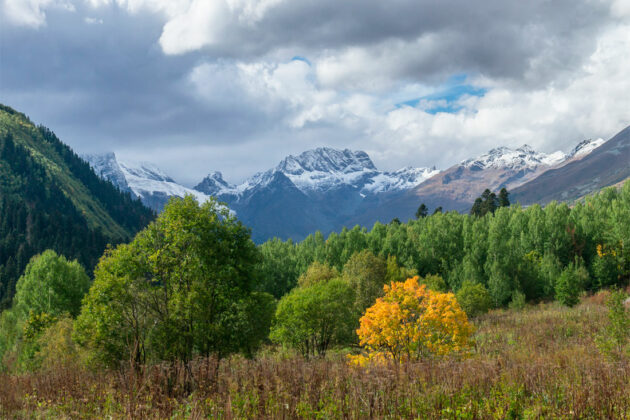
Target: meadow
[{"x": 541, "y": 361}]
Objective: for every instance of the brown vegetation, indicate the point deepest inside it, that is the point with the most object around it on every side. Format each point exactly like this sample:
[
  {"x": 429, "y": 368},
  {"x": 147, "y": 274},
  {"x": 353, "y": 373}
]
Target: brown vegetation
[{"x": 538, "y": 363}]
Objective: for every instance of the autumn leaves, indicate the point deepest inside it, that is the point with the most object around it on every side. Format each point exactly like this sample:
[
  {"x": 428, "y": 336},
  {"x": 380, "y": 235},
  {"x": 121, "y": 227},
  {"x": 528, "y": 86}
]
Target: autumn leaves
[{"x": 411, "y": 322}]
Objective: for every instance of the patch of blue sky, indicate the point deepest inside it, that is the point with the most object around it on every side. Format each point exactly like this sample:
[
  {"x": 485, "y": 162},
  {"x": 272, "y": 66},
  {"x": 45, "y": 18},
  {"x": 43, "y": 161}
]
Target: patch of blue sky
[
  {"x": 445, "y": 98},
  {"x": 300, "y": 58}
]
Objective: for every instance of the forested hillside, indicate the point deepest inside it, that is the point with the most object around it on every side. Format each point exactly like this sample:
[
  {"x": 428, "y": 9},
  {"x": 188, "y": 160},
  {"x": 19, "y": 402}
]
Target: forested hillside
[
  {"x": 51, "y": 199},
  {"x": 512, "y": 251}
]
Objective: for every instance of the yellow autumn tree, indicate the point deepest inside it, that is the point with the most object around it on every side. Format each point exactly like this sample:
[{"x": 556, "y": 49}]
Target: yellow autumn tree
[{"x": 412, "y": 322}]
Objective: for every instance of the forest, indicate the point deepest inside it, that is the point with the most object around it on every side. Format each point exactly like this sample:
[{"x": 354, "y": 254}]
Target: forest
[
  {"x": 192, "y": 319},
  {"x": 51, "y": 199}
]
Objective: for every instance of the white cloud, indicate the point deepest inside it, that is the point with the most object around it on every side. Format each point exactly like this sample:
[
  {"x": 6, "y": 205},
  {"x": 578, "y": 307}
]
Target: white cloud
[
  {"x": 93, "y": 21},
  {"x": 32, "y": 12},
  {"x": 555, "y": 72}
]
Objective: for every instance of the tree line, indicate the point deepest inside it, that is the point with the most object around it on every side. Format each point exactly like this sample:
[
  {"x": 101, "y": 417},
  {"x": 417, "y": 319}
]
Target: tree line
[{"x": 194, "y": 284}]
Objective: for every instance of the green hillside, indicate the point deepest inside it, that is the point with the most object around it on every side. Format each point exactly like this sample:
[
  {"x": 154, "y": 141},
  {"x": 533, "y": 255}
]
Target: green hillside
[{"x": 50, "y": 198}]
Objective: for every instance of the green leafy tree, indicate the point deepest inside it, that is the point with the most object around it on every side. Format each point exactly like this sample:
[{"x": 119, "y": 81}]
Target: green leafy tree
[
  {"x": 171, "y": 292},
  {"x": 473, "y": 298},
  {"x": 438, "y": 209},
  {"x": 249, "y": 322},
  {"x": 279, "y": 269},
  {"x": 317, "y": 272},
  {"x": 51, "y": 284},
  {"x": 315, "y": 318},
  {"x": 366, "y": 273},
  {"x": 396, "y": 273},
  {"x": 434, "y": 282}
]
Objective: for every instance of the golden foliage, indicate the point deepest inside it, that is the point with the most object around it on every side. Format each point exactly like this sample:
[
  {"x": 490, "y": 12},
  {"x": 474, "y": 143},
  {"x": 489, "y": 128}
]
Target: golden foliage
[{"x": 411, "y": 322}]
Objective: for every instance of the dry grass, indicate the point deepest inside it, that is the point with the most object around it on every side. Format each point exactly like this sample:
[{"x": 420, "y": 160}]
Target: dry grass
[{"x": 539, "y": 363}]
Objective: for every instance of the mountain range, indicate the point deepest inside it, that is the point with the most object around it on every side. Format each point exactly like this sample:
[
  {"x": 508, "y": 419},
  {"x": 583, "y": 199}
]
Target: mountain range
[{"x": 325, "y": 189}]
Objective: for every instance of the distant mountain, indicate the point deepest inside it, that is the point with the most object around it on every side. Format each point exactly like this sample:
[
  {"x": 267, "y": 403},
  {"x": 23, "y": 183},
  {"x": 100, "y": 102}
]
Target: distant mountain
[
  {"x": 607, "y": 163},
  {"x": 317, "y": 190},
  {"x": 457, "y": 187},
  {"x": 144, "y": 180},
  {"x": 321, "y": 170},
  {"x": 326, "y": 189},
  {"x": 50, "y": 198}
]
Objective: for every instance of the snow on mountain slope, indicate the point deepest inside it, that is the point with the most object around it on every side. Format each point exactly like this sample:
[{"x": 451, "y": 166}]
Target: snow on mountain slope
[
  {"x": 323, "y": 169},
  {"x": 106, "y": 166},
  {"x": 504, "y": 157},
  {"x": 144, "y": 180},
  {"x": 585, "y": 147},
  {"x": 402, "y": 179}
]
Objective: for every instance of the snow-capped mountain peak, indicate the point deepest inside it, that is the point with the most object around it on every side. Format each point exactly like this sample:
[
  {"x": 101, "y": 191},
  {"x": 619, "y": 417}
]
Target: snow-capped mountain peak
[
  {"x": 522, "y": 157},
  {"x": 326, "y": 159},
  {"x": 324, "y": 168},
  {"x": 145, "y": 180},
  {"x": 144, "y": 170},
  {"x": 106, "y": 166},
  {"x": 585, "y": 147},
  {"x": 214, "y": 184}
]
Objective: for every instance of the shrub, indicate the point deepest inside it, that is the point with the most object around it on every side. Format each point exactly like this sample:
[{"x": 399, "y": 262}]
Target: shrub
[
  {"x": 474, "y": 298},
  {"x": 434, "y": 282},
  {"x": 614, "y": 339},
  {"x": 312, "y": 319},
  {"x": 518, "y": 300},
  {"x": 570, "y": 284}
]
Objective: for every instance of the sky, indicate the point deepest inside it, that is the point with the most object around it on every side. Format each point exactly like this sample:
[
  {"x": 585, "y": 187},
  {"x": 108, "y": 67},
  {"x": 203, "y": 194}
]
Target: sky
[{"x": 195, "y": 86}]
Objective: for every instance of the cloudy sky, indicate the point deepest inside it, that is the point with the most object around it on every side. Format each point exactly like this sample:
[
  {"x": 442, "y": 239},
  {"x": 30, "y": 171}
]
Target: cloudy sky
[{"x": 235, "y": 85}]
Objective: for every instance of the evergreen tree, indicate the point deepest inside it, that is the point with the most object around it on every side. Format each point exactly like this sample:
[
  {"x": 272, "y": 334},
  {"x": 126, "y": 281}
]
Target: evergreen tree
[
  {"x": 504, "y": 200},
  {"x": 422, "y": 211}
]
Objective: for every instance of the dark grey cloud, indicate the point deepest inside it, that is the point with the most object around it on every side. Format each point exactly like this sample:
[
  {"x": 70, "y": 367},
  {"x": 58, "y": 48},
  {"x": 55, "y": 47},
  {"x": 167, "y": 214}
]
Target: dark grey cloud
[
  {"x": 199, "y": 86},
  {"x": 523, "y": 40}
]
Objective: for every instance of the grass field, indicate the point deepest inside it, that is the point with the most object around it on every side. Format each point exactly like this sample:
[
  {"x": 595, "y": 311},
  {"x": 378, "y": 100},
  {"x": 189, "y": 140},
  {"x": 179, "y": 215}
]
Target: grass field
[{"x": 541, "y": 362}]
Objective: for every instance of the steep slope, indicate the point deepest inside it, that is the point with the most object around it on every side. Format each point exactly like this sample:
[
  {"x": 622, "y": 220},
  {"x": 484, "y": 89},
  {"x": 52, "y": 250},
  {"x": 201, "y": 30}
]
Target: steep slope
[
  {"x": 50, "y": 198},
  {"x": 606, "y": 165},
  {"x": 457, "y": 187},
  {"x": 144, "y": 180}
]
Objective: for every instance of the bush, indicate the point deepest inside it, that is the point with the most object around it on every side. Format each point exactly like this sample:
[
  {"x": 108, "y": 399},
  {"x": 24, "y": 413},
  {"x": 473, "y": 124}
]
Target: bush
[
  {"x": 570, "y": 285},
  {"x": 434, "y": 282},
  {"x": 614, "y": 339},
  {"x": 474, "y": 298},
  {"x": 56, "y": 347},
  {"x": 312, "y": 319},
  {"x": 518, "y": 300}
]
